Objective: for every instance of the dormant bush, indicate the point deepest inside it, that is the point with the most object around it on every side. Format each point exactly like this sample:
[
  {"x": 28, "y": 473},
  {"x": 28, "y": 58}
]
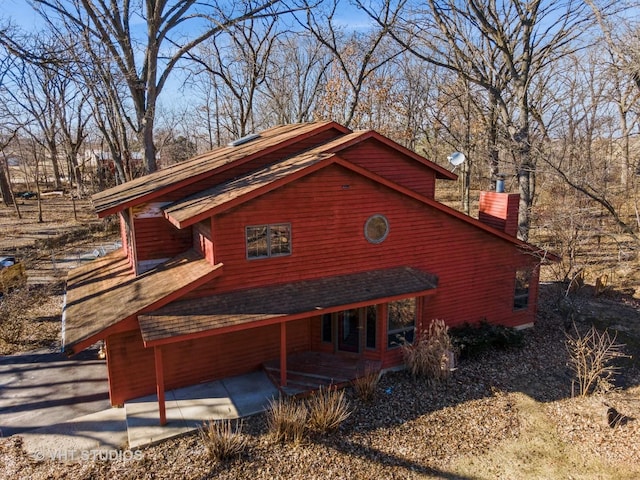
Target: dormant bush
[
  {"x": 590, "y": 358},
  {"x": 286, "y": 420},
  {"x": 366, "y": 385}
]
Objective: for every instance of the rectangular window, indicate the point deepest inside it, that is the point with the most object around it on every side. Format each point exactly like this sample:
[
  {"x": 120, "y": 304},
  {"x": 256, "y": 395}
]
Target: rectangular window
[
  {"x": 372, "y": 320},
  {"x": 401, "y": 322},
  {"x": 264, "y": 241},
  {"x": 327, "y": 328},
  {"x": 521, "y": 295}
]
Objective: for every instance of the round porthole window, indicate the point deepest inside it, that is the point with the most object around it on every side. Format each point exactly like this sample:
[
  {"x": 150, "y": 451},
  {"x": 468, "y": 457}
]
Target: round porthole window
[{"x": 376, "y": 229}]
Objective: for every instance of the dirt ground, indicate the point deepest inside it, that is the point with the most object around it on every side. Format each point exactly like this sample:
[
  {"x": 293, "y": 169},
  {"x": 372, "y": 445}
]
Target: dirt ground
[
  {"x": 23, "y": 235},
  {"x": 69, "y": 230},
  {"x": 68, "y": 235},
  {"x": 508, "y": 414}
]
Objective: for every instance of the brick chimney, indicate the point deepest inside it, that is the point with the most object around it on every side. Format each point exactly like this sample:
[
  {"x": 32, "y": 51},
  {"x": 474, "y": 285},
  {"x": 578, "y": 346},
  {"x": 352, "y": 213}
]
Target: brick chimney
[{"x": 500, "y": 210}]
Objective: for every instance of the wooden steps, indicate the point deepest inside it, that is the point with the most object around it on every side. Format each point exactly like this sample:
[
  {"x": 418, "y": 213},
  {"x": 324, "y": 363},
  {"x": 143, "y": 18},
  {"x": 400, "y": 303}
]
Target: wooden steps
[{"x": 308, "y": 371}]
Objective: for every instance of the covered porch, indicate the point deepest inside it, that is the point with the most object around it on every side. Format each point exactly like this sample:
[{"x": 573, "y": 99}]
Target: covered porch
[{"x": 243, "y": 314}]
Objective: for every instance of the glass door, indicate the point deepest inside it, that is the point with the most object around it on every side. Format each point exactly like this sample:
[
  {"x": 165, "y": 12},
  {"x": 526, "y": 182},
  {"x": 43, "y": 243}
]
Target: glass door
[{"x": 349, "y": 330}]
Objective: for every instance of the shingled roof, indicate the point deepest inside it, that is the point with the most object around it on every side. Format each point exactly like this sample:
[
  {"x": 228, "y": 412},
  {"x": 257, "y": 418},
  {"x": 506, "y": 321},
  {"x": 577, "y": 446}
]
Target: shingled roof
[
  {"x": 166, "y": 180},
  {"x": 105, "y": 292},
  {"x": 150, "y": 186},
  {"x": 275, "y": 302}
]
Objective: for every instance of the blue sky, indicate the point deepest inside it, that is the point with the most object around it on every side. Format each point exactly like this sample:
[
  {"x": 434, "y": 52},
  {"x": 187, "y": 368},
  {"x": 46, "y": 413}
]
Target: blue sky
[{"x": 23, "y": 14}]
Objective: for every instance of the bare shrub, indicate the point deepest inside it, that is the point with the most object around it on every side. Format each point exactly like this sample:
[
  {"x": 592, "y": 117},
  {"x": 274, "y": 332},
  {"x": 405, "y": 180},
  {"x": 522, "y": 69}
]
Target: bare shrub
[
  {"x": 366, "y": 385},
  {"x": 222, "y": 440},
  {"x": 430, "y": 354},
  {"x": 328, "y": 408},
  {"x": 590, "y": 358},
  {"x": 286, "y": 420}
]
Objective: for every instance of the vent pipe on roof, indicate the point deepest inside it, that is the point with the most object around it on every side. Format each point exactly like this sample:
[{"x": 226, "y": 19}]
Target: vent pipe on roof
[
  {"x": 242, "y": 140},
  {"x": 500, "y": 183}
]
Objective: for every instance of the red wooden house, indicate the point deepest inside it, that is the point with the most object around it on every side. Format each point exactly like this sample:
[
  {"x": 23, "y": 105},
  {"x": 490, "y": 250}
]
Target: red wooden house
[{"x": 303, "y": 238}]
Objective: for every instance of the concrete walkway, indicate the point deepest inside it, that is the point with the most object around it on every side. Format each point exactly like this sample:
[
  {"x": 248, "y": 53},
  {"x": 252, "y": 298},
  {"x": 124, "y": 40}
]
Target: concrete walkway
[
  {"x": 43, "y": 388},
  {"x": 187, "y": 408},
  {"x": 109, "y": 432}
]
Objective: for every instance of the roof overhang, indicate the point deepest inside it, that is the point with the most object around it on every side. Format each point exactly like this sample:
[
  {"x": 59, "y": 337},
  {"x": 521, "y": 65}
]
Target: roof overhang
[
  {"x": 105, "y": 294},
  {"x": 162, "y": 182},
  {"x": 251, "y": 308},
  {"x": 190, "y": 210}
]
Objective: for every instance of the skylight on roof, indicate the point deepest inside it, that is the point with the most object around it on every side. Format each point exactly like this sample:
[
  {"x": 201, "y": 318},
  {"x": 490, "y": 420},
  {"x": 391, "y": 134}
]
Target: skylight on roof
[{"x": 242, "y": 140}]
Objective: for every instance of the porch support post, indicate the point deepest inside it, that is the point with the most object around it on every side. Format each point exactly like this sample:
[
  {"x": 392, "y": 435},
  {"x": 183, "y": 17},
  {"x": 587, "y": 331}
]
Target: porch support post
[
  {"x": 283, "y": 354},
  {"x": 157, "y": 353}
]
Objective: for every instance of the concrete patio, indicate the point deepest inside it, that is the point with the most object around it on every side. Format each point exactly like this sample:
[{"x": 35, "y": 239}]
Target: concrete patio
[
  {"x": 187, "y": 408},
  {"x": 137, "y": 425}
]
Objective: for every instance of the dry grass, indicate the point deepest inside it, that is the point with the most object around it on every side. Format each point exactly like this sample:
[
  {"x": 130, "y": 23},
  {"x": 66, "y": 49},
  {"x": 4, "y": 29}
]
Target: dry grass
[
  {"x": 328, "y": 408},
  {"x": 20, "y": 235},
  {"x": 540, "y": 450},
  {"x": 222, "y": 440},
  {"x": 13, "y": 307},
  {"x": 366, "y": 385},
  {"x": 30, "y": 319},
  {"x": 429, "y": 356},
  {"x": 286, "y": 420}
]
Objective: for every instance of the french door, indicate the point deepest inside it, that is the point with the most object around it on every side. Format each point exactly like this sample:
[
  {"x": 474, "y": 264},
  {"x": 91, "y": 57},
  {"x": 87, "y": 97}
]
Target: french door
[{"x": 349, "y": 329}]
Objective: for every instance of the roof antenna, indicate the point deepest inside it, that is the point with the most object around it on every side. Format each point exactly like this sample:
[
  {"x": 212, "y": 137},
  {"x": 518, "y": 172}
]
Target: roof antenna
[{"x": 456, "y": 159}]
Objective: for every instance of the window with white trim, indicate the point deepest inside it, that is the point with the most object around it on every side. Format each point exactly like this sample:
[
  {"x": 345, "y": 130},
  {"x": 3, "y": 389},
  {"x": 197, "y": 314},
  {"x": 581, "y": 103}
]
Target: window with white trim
[{"x": 265, "y": 241}]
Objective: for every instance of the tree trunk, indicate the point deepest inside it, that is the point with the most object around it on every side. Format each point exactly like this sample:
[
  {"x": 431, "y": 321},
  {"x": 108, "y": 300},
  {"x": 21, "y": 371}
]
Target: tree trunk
[
  {"x": 75, "y": 172},
  {"x": 149, "y": 147},
  {"x": 492, "y": 141},
  {"x": 524, "y": 212},
  {"x": 53, "y": 150},
  {"x": 5, "y": 186},
  {"x": 625, "y": 168}
]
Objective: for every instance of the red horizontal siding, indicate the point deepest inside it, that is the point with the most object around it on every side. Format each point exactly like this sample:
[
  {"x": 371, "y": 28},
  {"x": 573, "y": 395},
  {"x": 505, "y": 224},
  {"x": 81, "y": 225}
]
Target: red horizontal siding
[
  {"x": 390, "y": 164},
  {"x": 202, "y": 240},
  {"x": 328, "y": 210},
  {"x": 132, "y": 368},
  {"x": 158, "y": 238}
]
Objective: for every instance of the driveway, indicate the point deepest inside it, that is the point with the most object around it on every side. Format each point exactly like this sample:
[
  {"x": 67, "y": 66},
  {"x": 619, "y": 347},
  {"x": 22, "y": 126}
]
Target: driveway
[{"x": 42, "y": 389}]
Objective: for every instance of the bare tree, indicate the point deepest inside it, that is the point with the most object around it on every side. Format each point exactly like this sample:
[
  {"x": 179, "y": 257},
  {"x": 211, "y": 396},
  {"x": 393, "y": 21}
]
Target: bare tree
[
  {"x": 35, "y": 90},
  {"x": 356, "y": 58},
  {"x": 583, "y": 141},
  {"x": 237, "y": 62},
  {"x": 146, "y": 57},
  {"x": 622, "y": 36},
  {"x": 110, "y": 110},
  {"x": 73, "y": 117},
  {"x": 297, "y": 74},
  {"x": 8, "y": 130},
  {"x": 418, "y": 85},
  {"x": 502, "y": 47},
  {"x": 6, "y": 137}
]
